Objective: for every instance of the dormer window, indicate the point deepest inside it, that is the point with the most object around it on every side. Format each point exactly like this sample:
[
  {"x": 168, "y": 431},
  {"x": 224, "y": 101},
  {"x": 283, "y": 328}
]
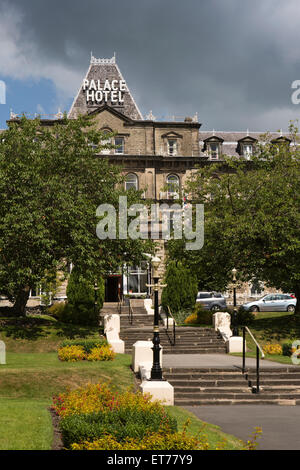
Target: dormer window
[
  {"x": 281, "y": 142},
  {"x": 214, "y": 150},
  {"x": 172, "y": 147},
  {"x": 247, "y": 151},
  {"x": 246, "y": 147},
  {"x": 213, "y": 147}
]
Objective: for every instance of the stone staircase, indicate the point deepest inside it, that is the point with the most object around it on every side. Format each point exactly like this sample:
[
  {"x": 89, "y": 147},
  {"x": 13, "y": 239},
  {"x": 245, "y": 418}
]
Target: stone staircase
[
  {"x": 228, "y": 386},
  {"x": 189, "y": 340}
]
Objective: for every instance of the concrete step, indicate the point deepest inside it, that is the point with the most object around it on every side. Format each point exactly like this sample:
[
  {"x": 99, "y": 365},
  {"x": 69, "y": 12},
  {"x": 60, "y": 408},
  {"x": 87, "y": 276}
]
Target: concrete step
[
  {"x": 229, "y": 386},
  {"x": 257, "y": 400},
  {"x": 185, "y": 351}
]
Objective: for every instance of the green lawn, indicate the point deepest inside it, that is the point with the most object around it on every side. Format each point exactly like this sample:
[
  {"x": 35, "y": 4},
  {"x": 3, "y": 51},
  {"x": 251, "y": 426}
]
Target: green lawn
[
  {"x": 25, "y": 424},
  {"x": 33, "y": 374}
]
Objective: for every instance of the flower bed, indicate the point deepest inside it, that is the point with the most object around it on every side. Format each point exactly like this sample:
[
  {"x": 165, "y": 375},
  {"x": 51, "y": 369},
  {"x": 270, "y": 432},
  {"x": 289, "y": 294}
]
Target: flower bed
[
  {"x": 272, "y": 349},
  {"x": 89, "y": 352},
  {"x": 95, "y": 418}
]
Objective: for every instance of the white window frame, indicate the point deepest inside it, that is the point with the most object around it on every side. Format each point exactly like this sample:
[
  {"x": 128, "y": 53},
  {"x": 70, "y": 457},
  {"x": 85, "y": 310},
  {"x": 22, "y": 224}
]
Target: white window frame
[
  {"x": 120, "y": 150},
  {"x": 135, "y": 182},
  {"x": 175, "y": 191},
  {"x": 174, "y": 147},
  {"x": 246, "y": 153},
  {"x": 217, "y": 152}
]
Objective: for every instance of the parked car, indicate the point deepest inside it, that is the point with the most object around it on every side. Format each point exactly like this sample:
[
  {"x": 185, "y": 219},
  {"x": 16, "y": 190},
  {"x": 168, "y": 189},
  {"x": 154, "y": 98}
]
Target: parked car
[
  {"x": 272, "y": 303},
  {"x": 211, "y": 300}
]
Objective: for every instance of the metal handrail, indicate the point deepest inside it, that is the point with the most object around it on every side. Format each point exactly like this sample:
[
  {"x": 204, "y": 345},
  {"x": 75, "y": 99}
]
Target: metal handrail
[
  {"x": 169, "y": 313},
  {"x": 130, "y": 313},
  {"x": 120, "y": 301},
  {"x": 259, "y": 347},
  {"x": 258, "y": 350}
]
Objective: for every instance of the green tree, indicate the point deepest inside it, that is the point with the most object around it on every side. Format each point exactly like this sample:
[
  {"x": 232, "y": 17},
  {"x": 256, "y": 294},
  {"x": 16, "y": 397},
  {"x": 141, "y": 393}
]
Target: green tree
[
  {"x": 252, "y": 218},
  {"x": 52, "y": 179},
  {"x": 84, "y": 302},
  {"x": 181, "y": 290}
]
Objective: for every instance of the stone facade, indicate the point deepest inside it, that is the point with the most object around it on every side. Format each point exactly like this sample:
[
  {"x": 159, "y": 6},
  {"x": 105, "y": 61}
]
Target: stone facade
[{"x": 152, "y": 153}]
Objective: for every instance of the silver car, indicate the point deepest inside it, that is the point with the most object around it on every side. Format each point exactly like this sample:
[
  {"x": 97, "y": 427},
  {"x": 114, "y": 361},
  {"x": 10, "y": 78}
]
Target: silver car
[
  {"x": 211, "y": 300},
  {"x": 272, "y": 303}
]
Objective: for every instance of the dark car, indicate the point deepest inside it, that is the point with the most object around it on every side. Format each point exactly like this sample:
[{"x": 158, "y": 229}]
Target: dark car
[{"x": 211, "y": 300}]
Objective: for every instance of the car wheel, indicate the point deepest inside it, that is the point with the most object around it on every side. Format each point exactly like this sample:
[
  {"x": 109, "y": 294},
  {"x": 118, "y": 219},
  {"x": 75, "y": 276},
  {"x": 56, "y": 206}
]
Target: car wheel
[
  {"x": 254, "y": 308},
  {"x": 215, "y": 308},
  {"x": 291, "y": 308}
]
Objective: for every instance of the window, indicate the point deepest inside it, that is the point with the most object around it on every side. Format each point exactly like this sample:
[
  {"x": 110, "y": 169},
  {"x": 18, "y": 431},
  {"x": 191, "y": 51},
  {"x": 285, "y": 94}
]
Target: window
[
  {"x": 204, "y": 296},
  {"x": 214, "y": 150},
  {"x": 173, "y": 185},
  {"x": 131, "y": 181},
  {"x": 257, "y": 287},
  {"x": 172, "y": 147},
  {"x": 119, "y": 142},
  {"x": 137, "y": 279},
  {"x": 106, "y": 151},
  {"x": 247, "y": 151}
]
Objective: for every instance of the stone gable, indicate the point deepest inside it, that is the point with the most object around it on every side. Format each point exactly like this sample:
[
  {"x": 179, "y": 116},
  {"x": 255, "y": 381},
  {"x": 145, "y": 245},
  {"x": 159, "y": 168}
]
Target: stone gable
[{"x": 101, "y": 70}]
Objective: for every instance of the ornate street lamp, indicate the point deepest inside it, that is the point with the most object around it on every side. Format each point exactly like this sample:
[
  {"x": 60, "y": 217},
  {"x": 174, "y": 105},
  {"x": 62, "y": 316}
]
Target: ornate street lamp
[
  {"x": 156, "y": 371},
  {"x": 235, "y": 330}
]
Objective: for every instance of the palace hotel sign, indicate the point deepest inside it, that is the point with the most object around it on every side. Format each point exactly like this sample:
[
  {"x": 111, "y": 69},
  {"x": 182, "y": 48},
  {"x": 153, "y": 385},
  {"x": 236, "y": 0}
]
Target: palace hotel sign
[{"x": 98, "y": 91}]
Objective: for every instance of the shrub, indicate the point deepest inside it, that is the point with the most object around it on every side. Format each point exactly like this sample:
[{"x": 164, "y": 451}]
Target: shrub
[
  {"x": 204, "y": 317},
  {"x": 57, "y": 310},
  {"x": 181, "y": 290},
  {"x": 243, "y": 318},
  {"x": 191, "y": 319},
  {"x": 93, "y": 411},
  {"x": 124, "y": 422},
  {"x": 79, "y": 353},
  {"x": 86, "y": 344},
  {"x": 272, "y": 349},
  {"x": 103, "y": 353},
  {"x": 151, "y": 441},
  {"x": 80, "y": 308},
  {"x": 71, "y": 353},
  {"x": 288, "y": 349},
  {"x": 87, "y": 399}
]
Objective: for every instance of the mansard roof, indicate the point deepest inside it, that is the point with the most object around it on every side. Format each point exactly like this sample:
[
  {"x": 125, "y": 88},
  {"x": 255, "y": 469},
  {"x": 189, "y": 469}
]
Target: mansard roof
[
  {"x": 231, "y": 140},
  {"x": 104, "y": 69}
]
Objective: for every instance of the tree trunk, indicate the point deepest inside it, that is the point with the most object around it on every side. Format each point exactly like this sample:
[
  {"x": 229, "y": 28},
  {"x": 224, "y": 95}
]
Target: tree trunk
[
  {"x": 21, "y": 301},
  {"x": 297, "y": 294}
]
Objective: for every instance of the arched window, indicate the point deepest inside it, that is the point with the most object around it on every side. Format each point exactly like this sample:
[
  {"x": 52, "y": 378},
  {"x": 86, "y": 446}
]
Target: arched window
[
  {"x": 131, "y": 181},
  {"x": 173, "y": 185},
  {"x": 107, "y": 141}
]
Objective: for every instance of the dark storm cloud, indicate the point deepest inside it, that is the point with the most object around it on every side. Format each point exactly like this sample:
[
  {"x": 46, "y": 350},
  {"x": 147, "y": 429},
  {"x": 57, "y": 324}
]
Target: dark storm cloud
[{"x": 232, "y": 61}]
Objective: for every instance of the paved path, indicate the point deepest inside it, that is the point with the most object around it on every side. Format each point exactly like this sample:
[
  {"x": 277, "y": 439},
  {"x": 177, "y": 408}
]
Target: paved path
[
  {"x": 280, "y": 424},
  {"x": 213, "y": 360}
]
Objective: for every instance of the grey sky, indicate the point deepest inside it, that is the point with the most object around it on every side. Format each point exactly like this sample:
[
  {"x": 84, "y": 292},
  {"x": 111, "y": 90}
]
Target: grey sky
[{"x": 232, "y": 61}]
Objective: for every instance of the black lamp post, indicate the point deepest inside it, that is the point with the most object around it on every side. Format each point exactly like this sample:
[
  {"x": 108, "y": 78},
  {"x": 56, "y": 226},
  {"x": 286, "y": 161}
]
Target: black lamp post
[
  {"x": 156, "y": 371},
  {"x": 95, "y": 296},
  {"x": 235, "y": 330}
]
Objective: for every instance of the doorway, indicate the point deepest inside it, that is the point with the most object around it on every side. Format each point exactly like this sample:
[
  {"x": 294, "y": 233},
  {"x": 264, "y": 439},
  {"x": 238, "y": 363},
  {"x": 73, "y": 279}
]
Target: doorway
[{"x": 113, "y": 288}]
